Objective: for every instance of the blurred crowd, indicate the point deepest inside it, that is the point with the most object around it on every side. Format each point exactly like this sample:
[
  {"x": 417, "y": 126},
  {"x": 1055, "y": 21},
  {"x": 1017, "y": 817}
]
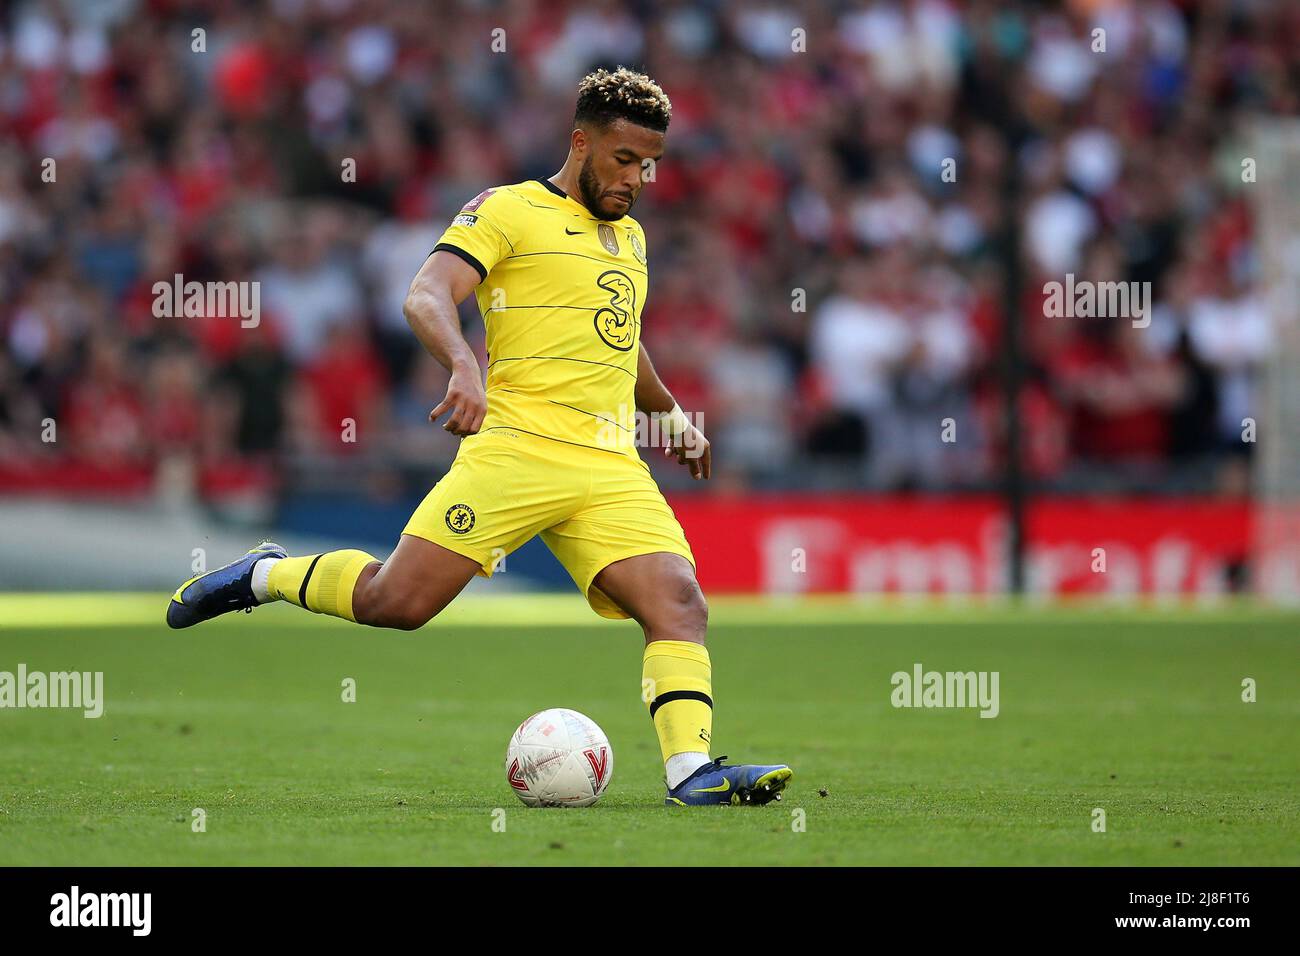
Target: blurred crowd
[{"x": 829, "y": 231}]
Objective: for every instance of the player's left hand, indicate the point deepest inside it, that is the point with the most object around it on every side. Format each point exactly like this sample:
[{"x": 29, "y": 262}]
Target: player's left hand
[{"x": 692, "y": 449}]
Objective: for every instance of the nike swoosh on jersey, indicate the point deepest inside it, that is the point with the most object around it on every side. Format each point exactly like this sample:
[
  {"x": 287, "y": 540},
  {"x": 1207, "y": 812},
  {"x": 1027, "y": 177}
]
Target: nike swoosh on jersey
[{"x": 568, "y": 233}]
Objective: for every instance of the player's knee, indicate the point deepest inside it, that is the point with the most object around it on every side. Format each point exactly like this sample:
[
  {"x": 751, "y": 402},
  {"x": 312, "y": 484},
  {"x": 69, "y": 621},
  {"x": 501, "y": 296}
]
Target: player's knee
[
  {"x": 381, "y": 608},
  {"x": 411, "y": 613},
  {"x": 406, "y": 618},
  {"x": 690, "y": 609}
]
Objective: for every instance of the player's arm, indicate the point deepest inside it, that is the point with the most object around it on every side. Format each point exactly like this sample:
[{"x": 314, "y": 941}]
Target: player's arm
[
  {"x": 686, "y": 441},
  {"x": 442, "y": 283}
]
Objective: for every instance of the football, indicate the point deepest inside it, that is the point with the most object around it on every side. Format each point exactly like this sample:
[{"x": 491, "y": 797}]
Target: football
[{"x": 559, "y": 758}]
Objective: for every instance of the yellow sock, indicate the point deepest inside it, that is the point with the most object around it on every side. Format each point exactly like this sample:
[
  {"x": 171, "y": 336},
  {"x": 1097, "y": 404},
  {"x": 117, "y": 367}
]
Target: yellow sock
[
  {"x": 322, "y": 583},
  {"x": 678, "y": 689}
]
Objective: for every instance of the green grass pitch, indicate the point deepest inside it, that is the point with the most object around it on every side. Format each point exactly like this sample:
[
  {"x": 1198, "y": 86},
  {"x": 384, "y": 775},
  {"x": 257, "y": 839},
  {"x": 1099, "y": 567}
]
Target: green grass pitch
[{"x": 1139, "y": 713}]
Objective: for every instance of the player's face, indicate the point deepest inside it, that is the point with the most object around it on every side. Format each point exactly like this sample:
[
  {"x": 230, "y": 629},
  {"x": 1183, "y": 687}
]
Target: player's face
[{"x": 615, "y": 168}]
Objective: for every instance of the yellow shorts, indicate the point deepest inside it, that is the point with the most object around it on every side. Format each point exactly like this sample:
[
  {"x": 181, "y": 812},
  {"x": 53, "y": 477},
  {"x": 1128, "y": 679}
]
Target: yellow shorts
[{"x": 591, "y": 507}]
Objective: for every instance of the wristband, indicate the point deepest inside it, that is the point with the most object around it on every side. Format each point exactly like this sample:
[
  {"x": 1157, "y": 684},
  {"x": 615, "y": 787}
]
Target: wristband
[{"x": 675, "y": 422}]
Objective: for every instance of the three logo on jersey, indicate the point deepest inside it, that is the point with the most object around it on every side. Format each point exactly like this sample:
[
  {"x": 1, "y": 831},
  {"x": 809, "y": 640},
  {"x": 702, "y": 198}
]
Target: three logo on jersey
[{"x": 614, "y": 322}]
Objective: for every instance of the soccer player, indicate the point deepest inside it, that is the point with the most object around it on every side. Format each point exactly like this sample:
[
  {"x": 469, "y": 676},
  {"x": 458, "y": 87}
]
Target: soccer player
[{"x": 548, "y": 447}]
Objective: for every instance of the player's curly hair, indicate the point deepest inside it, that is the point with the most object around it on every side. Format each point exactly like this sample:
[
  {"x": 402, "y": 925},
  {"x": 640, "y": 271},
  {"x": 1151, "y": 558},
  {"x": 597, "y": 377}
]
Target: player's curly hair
[{"x": 605, "y": 96}]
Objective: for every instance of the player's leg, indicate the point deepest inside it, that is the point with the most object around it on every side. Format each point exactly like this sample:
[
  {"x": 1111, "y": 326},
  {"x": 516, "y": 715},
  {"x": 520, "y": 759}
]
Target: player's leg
[
  {"x": 626, "y": 551},
  {"x": 413, "y": 585},
  {"x": 417, "y": 581},
  {"x": 464, "y": 526},
  {"x": 660, "y": 592}
]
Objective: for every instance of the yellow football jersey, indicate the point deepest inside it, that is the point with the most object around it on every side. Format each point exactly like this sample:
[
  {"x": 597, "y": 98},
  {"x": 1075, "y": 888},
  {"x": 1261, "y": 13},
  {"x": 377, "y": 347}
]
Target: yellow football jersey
[{"x": 561, "y": 297}]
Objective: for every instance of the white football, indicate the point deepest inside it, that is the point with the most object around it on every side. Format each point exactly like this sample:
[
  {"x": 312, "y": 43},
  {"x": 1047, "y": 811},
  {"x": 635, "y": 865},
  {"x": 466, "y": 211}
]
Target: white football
[{"x": 559, "y": 758}]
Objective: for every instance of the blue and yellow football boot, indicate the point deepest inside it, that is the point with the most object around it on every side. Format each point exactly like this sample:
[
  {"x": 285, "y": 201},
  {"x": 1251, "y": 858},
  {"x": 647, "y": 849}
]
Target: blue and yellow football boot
[
  {"x": 217, "y": 592},
  {"x": 742, "y": 785}
]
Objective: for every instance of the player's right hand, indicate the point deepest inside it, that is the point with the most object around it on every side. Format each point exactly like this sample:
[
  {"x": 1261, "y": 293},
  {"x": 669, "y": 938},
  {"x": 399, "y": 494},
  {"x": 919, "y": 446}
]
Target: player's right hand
[{"x": 467, "y": 402}]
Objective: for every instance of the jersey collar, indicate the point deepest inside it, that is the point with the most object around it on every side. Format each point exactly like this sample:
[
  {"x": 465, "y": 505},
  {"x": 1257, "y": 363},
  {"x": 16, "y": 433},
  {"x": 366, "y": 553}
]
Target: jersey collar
[
  {"x": 556, "y": 190},
  {"x": 553, "y": 188}
]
